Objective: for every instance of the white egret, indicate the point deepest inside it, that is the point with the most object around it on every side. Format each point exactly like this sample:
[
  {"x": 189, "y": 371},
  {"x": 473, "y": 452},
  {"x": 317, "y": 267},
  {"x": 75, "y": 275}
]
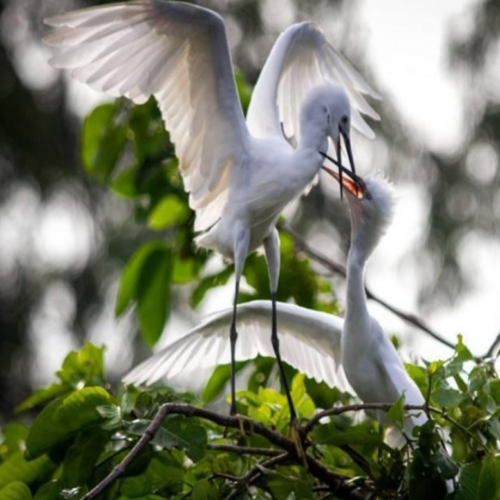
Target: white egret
[
  {"x": 321, "y": 345},
  {"x": 351, "y": 353},
  {"x": 240, "y": 175}
]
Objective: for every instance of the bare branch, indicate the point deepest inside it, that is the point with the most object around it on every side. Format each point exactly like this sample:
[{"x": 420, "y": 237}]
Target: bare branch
[{"x": 340, "y": 270}]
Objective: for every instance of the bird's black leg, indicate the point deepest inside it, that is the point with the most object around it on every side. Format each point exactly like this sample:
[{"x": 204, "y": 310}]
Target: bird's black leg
[
  {"x": 276, "y": 346},
  {"x": 241, "y": 244},
  {"x": 272, "y": 249},
  {"x": 233, "y": 337}
]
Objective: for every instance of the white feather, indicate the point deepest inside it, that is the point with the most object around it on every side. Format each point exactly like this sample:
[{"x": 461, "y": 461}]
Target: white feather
[
  {"x": 301, "y": 59},
  {"x": 310, "y": 342},
  {"x": 142, "y": 48}
]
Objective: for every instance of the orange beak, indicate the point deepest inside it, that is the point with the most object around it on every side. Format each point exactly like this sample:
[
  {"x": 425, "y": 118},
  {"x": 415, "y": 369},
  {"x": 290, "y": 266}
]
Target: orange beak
[{"x": 354, "y": 188}]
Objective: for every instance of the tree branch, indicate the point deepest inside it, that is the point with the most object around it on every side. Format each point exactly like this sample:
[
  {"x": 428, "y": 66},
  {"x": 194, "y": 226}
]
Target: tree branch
[
  {"x": 338, "y": 484},
  {"x": 340, "y": 270},
  {"x": 245, "y": 450},
  {"x": 491, "y": 351}
]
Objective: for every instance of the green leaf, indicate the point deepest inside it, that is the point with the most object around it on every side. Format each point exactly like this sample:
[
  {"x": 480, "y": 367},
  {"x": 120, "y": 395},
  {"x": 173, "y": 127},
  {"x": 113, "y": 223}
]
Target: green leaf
[
  {"x": 286, "y": 487},
  {"x": 447, "y": 397},
  {"x": 489, "y": 479},
  {"x": 203, "y": 490},
  {"x": 82, "y": 456},
  {"x": 125, "y": 183},
  {"x": 468, "y": 483},
  {"x": 449, "y": 469},
  {"x": 169, "y": 211},
  {"x": 495, "y": 390},
  {"x": 103, "y": 141},
  {"x": 86, "y": 365},
  {"x": 43, "y": 396},
  {"x": 183, "y": 433},
  {"x": 397, "y": 411},
  {"x": 17, "y": 468},
  {"x": 64, "y": 417},
  {"x": 210, "y": 282},
  {"x": 153, "y": 292},
  {"x": 164, "y": 474},
  {"x": 129, "y": 282},
  {"x": 151, "y": 140},
  {"x": 16, "y": 491},
  {"x": 50, "y": 491},
  {"x": 185, "y": 270},
  {"x": 113, "y": 416},
  {"x": 330, "y": 434},
  {"x": 14, "y": 437},
  {"x": 218, "y": 380}
]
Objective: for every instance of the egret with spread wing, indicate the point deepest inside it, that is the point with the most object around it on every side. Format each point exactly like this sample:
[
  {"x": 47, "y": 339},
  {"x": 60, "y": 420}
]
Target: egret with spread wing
[
  {"x": 240, "y": 175},
  {"x": 323, "y": 346}
]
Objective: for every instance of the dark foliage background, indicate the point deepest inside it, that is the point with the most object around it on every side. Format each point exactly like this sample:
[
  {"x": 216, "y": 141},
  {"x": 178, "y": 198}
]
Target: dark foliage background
[{"x": 49, "y": 304}]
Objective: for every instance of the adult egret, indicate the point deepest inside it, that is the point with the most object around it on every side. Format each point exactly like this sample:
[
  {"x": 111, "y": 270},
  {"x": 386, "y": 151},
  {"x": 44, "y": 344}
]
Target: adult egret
[
  {"x": 322, "y": 346},
  {"x": 239, "y": 175}
]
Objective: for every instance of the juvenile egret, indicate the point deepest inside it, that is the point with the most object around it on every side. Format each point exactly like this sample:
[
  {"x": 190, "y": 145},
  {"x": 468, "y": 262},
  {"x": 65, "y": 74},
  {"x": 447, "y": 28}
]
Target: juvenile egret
[
  {"x": 322, "y": 346},
  {"x": 240, "y": 175}
]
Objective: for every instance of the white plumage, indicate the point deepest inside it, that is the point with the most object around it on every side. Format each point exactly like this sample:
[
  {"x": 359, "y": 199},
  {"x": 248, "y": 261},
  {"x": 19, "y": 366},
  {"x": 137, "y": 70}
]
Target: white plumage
[
  {"x": 240, "y": 177},
  {"x": 310, "y": 342}
]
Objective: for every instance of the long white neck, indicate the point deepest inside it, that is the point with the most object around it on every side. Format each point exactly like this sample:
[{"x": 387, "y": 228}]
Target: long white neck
[
  {"x": 313, "y": 140},
  {"x": 356, "y": 304},
  {"x": 357, "y": 319}
]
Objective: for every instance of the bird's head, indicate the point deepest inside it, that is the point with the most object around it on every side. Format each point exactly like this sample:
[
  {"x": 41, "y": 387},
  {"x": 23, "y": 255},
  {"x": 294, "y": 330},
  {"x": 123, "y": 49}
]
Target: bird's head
[
  {"x": 327, "y": 107},
  {"x": 371, "y": 203}
]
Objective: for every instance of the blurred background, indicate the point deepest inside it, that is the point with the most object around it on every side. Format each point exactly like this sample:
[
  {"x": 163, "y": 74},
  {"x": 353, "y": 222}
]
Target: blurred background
[{"x": 64, "y": 240}]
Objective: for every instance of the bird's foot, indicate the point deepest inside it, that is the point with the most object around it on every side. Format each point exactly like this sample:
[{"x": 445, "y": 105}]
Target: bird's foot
[
  {"x": 245, "y": 424},
  {"x": 295, "y": 435}
]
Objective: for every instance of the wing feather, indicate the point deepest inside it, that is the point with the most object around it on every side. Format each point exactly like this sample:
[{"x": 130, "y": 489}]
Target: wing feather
[
  {"x": 310, "y": 341},
  {"x": 301, "y": 59},
  {"x": 178, "y": 53}
]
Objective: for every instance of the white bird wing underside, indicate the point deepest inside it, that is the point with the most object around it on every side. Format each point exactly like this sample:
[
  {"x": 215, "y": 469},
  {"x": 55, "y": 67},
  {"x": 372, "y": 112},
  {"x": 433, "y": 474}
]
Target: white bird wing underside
[
  {"x": 309, "y": 341},
  {"x": 178, "y": 53},
  {"x": 301, "y": 59}
]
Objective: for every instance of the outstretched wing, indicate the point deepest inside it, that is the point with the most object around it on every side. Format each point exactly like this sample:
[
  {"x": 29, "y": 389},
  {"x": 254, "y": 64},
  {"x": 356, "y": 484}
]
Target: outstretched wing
[
  {"x": 301, "y": 59},
  {"x": 309, "y": 341},
  {"x": 178, "y": 53}
]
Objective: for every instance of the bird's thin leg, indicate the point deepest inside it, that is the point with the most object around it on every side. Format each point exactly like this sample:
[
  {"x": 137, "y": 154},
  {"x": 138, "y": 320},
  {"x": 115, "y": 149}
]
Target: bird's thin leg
[
  {"x": 241, "y": 244},
  {"x": 272, "y": 249}
]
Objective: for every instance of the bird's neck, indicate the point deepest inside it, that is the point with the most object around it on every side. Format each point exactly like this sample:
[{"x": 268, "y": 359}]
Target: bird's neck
[
  {"x": 313, "y": 135},
  {"x": 356, "y": 304}
]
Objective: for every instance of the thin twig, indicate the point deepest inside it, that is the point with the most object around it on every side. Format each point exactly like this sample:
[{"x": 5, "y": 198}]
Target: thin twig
[
  {"x": 245, "y": 450},
  {"x": 339, "y": 410},
  {"x": 341, "y": 270},
  {"x": 386, "y": 407},
  {"x": 491, "y": 351},
  {"x": 256, "y": 471}
]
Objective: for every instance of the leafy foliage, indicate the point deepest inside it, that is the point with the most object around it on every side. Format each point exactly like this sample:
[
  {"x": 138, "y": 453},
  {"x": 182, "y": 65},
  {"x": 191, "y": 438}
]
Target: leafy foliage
[
  {"x": 80, "y": 436},
  {"x": 85, "y": 428}
]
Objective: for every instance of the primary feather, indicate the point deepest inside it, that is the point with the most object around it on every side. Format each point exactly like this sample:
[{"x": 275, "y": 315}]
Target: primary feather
[
  {"x": 178, "y": 53},
  {"x": 310, "y": 342},
  {"x": 301, "y": 59}
]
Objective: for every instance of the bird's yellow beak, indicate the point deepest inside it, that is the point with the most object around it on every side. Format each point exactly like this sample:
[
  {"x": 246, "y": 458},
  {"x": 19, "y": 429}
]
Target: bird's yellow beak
[{"x": 355, "y": 188}]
